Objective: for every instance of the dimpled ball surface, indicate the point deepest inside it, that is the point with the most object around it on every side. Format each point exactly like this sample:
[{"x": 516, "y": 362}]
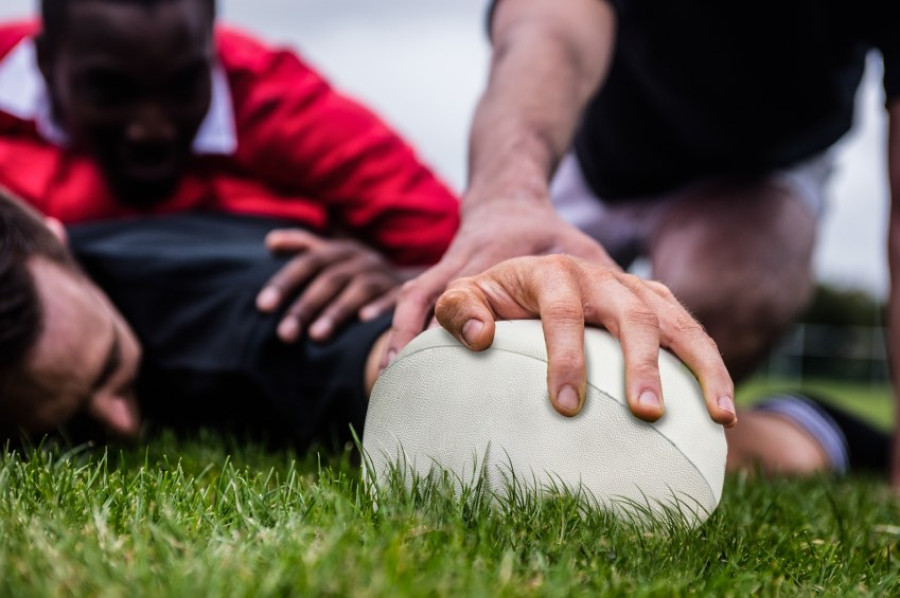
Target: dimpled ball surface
[{"x": 442, "y": 407}]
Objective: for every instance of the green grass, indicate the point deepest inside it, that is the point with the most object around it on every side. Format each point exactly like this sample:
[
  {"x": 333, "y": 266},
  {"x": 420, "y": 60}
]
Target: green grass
[
  {"x": 210, "y": 516},
  {"x": 258, "y": 524}
]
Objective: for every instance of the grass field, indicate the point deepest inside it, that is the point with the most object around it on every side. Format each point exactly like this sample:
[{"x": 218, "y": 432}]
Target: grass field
[{"x": 209, "y": 516}]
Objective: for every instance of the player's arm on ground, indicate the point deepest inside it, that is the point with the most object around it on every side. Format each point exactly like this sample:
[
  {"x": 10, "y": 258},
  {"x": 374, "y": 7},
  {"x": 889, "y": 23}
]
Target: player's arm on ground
[
  {"x": 893, "y": 316},
  {"x": 548, "y": 59}
]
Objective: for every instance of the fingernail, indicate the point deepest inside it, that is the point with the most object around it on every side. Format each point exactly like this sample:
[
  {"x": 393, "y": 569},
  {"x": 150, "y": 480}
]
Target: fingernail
[
  {"x": 368, "y": 313},
  {"x": 273, "y": 238},
  {"x": 320, "y": 329},
  {"x": 649, "y": 399},
  {"x": 267, "y": 298},
  {"x": 288, "y": 329},
  {"x": 391, "y": 355},
  {"x": 471, "y": 329},
  {"x": 568, "y": 398},
  {"x": 726, "y": 404}
]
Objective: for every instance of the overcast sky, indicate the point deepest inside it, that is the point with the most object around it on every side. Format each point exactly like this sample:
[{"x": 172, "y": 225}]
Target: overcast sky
[{"x": 422, "y": 63}]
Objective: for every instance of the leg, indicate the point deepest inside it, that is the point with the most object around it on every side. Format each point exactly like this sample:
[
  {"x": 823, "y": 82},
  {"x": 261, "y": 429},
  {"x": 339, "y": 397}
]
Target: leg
[{"x": 739, "y": 257}]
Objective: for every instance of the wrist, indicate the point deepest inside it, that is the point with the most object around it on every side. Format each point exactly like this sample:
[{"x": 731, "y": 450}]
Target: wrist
[
  {"x": 519, "y": 188},
  {"x": 519, "y": 168}
]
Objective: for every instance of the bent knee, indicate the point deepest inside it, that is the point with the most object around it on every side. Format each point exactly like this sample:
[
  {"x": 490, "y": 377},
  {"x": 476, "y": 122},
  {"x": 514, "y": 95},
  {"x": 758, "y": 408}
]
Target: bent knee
[{"x": 723, "y": 303}]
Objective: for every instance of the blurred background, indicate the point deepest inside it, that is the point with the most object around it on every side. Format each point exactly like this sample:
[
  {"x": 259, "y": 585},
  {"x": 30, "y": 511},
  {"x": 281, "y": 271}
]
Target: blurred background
[{"x": 422, "y": 63}]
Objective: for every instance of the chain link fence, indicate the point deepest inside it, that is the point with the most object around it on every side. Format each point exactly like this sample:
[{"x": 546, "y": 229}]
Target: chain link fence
[{"x": 817, "y": 351}]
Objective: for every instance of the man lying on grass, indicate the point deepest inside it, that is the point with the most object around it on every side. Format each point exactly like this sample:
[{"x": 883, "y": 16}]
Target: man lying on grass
[{"x": 186, "y": 287}]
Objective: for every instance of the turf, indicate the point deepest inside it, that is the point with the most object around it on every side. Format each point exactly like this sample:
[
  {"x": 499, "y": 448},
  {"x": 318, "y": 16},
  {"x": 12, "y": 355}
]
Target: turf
[{"x": 212, "y": 517}]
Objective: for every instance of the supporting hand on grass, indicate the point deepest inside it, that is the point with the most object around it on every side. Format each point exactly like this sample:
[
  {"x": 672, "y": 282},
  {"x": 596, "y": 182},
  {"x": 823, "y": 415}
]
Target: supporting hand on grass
[
  {"x": 332, "y": 280},
  {"x": 567, "y": 293}
]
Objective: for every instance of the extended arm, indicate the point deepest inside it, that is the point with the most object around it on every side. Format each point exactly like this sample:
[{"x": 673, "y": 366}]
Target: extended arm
[{"x": 549, "y": 59}]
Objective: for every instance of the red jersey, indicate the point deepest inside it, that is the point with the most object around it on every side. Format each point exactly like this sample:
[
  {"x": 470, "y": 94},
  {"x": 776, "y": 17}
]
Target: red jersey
[{"x": 278, "y": 141}]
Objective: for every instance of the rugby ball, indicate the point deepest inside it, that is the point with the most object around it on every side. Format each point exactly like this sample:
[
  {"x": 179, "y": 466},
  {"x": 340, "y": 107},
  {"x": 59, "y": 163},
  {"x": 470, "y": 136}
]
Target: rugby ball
[{"x": 485, "y": 417}]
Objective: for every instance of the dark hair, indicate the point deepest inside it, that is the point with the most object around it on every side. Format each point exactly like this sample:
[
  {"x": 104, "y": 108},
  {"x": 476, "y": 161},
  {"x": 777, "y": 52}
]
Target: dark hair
[
  {"x": 23, "y": 235},
  {"x": 54, "y": 15}
]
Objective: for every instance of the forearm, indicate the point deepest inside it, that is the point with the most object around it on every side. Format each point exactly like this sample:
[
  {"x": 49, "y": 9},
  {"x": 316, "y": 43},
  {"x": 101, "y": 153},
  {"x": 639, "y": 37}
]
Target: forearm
[
  {"x": 549, "y": 58},
  {"x": 547, "y": 63}
]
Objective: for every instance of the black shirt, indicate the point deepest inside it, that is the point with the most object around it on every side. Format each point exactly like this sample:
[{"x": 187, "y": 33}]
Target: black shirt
[
  {"x": 187, "y": 284},
  {"x": 706, "y": 88}
]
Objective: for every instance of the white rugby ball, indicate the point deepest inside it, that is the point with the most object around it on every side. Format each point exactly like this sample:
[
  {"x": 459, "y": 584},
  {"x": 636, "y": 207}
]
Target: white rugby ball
[{"x": 441, "y": 407}]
